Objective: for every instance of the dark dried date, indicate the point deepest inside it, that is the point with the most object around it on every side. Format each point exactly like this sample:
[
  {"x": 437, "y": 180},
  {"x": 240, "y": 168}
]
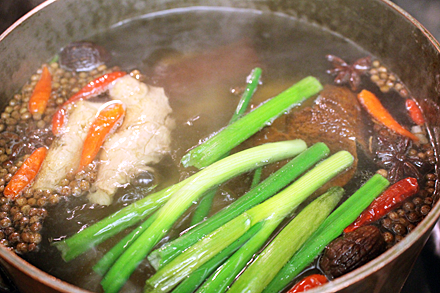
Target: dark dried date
[{"x": 351, "y": 251}]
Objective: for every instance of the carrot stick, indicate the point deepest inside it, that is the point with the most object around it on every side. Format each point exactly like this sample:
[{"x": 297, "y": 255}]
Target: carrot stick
[
  {"x": 25, "y": 174},
  {"x": 108, "y": 118},
  {"x": 374, "y": 107},
  {"x": 93, "y": 88},
  {"x": 41, "y": 93}
]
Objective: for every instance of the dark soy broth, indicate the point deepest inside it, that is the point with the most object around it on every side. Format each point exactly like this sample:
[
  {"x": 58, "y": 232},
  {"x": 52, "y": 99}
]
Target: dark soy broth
[{"x": 213, "y": 51}]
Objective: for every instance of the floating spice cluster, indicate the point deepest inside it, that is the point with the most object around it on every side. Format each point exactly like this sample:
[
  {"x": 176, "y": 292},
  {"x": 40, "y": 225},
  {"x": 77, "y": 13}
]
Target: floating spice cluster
[
  {"x": 21, "y": 133},
  {"x": 21, "y": 219}
]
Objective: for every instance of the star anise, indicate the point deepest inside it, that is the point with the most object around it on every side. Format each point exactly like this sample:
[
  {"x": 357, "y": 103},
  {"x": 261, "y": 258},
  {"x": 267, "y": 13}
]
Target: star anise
[
  {"x": 394, "y": 154},
  {"x": 346, "y": 73}
]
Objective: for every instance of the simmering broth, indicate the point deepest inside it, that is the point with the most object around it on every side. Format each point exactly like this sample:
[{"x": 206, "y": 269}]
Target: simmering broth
[{"x": 200, "y": 95}]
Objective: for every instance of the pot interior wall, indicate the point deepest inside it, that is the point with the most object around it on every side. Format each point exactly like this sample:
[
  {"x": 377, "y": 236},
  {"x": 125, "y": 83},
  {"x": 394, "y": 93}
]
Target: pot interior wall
[{"x": 371, "y": 24}]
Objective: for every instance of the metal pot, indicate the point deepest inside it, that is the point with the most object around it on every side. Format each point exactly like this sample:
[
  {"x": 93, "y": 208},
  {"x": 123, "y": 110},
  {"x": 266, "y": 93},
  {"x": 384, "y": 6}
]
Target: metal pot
[{"x": 378, "y": 26}]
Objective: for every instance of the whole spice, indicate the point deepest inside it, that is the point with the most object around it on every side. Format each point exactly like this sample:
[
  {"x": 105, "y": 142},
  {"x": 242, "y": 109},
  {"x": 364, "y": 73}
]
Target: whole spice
[
  {"x": 387, "y": 201},
  {"x": 309, "y": 282},
  {"x": 375, "y": 108},
  {"x": 41, "y": 94},
  {"x": 346, "y": 73},
  {"x": 399, "y": 156},
  {"x": 351, "y": 251}
]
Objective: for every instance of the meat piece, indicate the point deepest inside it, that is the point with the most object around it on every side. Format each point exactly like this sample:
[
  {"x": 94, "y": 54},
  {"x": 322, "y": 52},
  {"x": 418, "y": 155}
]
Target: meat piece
[
  {"x": 65, "y": 152},
  {"x": 335, "y": 118},
  {"x": 179, "y": 73},
  {"x": 141, "y": 140}
]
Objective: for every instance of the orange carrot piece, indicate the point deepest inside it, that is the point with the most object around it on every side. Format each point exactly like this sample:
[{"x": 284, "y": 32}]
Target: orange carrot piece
[
  {"x": 92, "y": 89},
  {"x": 25, "y": 174},
  {"x": 108, "y": 118},
  {"x": 41, "y": 93},
  {"x": 374, "y": 107},
  {"x": 414, "y": 112}
]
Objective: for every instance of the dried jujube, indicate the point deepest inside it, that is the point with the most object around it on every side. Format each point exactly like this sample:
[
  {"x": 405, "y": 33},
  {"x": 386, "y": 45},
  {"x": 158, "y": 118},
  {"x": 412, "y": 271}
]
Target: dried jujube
[{"x": 351, "y": 251}]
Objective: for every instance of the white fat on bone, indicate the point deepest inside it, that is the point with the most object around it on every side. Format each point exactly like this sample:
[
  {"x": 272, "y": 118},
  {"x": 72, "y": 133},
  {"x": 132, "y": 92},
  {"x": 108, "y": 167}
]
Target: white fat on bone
[{"x": 143, "y": 138}]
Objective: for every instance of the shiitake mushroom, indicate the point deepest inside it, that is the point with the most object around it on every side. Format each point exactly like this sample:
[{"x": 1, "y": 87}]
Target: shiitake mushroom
[{"x": 352, "y": 250}]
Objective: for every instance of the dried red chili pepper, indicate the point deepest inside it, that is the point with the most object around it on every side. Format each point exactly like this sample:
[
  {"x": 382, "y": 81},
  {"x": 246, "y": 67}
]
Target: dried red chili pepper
[
  {"x": 414, "y": 112},
  {"x": 387, "y": 201},
  {"x": 375, "y": 108},
  {"x": 41, "y": 94},
  {"x": 309, "y": 282},
  {"x": 93, "y": 88},
  {"x": 108, "y": 118},
  {"x": 26, "y": 174}
]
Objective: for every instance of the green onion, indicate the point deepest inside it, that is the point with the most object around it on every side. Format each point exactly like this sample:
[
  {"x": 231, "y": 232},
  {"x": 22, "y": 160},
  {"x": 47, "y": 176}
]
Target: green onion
[
  {"x": 104, "y": 264},
  {"x": 198, "y": 254},
  {"x": 332, "y": 227},
  {"x": 303, "y": 187},
  {"x": 54, "y": 59},
  {"x": 252, "y": 84},
  {"x": 264, "y": 190},
  {"x": 203, "y": 207},
  {"x": 276, "y": 207},
  {"x": 257, "y": 177},
  {"x": 234, "y": 134},
  {"x": 193, "y": 281},
  {"x": 180, "y": 201},
  {"x": 205, "y": 204},
  {"x": 288, "y": 241},
  {"x": 91, "y": 236},
  {"x": 226, "y": 273}
]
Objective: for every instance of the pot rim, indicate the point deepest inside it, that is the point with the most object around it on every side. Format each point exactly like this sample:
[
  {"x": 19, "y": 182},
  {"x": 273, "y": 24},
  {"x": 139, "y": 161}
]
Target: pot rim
[{"x": 340, "y": 283}]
